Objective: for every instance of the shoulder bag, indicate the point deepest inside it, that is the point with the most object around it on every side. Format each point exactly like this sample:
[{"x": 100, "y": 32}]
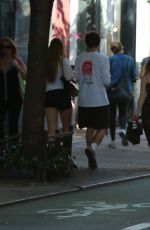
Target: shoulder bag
[{"x": 70, "y": 86}]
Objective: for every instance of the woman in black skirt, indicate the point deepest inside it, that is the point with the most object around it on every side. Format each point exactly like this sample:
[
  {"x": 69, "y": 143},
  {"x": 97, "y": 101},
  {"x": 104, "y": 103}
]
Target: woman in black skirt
[{"x": 57, "y": 100}]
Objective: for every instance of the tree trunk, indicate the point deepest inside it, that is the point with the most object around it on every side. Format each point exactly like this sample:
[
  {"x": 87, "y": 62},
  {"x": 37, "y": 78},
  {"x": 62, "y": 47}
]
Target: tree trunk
[{"x": 33, "y": 111}]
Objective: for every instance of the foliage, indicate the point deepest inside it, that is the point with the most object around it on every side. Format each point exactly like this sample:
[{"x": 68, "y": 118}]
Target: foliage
[
  {"x": 11, "y": 156},
  {"x": 59, "y": 162}
]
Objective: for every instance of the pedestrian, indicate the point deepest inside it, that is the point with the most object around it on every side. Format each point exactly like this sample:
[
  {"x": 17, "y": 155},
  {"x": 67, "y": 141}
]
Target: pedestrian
[
  {"x": 57, "y": 101},
  {"x": 143, "y": 64},
  {"x": 143, "y": 105},
  {"x": 12, "y": 70},
  {"x": 93, "y": 76},
  {"x": 123, "y": 74}
]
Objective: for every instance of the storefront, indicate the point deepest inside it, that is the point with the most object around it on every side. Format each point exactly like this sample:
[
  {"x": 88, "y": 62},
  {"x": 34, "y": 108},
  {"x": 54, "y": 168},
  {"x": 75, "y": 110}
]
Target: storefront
[
  {"x": 22, "y": 18},
  {"x": 60, "y": 24},
  {"x": 14, "y": 22},
  {"x": 7, "y": 18},
  {"x": 124, "y": 20},
  {"x": 142, "y": 30}
]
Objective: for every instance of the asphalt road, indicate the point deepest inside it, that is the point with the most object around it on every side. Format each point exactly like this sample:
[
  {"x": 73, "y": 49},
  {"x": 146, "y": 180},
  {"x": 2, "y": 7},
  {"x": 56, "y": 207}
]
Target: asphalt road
[{"x": 124, "y": 206}]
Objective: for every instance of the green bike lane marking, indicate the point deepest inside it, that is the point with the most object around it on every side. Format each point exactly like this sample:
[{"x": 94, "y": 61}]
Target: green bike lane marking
[
  {"x": 123, "y": 206},
  {"x": 138, "y": 226}
]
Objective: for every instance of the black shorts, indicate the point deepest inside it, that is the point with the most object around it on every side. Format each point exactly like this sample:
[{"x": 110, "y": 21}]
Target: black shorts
[
  {"x": 57, "y": 99},
  {"x": 94, "y": 117}
]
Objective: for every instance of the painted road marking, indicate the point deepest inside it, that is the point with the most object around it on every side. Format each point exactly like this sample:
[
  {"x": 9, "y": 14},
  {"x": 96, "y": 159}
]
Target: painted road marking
[
  {"x": 138, "y": 226},
  {"x": 84, "y": 209}
]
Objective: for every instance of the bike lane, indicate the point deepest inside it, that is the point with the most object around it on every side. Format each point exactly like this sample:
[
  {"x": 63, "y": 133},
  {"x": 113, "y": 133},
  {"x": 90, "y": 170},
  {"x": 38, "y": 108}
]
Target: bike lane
[{"x": 124, "y": 206}]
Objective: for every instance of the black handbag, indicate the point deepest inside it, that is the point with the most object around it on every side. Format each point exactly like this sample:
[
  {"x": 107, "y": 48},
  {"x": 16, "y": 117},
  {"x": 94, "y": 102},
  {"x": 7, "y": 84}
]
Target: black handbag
[
  {"x": 120, "y": 93},
  {"x": 70, "y": 87},
  {"x": 134, "y": 131}
]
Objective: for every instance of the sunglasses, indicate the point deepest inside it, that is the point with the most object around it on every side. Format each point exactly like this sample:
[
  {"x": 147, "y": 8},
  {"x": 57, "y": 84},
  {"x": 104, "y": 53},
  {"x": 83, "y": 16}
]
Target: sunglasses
[{"x": 6, "y": 47}]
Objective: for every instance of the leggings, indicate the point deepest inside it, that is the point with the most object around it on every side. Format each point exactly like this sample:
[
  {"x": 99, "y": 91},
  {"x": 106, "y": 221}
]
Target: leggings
[
  {"x": 13, "y": 116},
  {"x": 147, "y": 132},
  {"x": 122, "y": 106},
  {"x": 145, "y": 115}
]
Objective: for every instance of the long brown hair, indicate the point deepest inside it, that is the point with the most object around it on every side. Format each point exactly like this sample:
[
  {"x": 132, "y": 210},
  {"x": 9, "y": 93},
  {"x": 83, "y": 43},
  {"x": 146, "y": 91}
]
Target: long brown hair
[
  {"x": 12, "y": 44},
  {"x": 55, "y": 55},
  {"x": 147, "y": 67}
]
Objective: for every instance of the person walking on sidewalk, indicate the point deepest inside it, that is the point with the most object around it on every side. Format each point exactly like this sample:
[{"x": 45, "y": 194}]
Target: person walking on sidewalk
[
  {"x": 123, "y": 73},
  {"x": 12, "y": 70},
  {"x": 93, "y": 75},
  {"x": 143, "y": 65},
  {"x": 57, "y": 100},
  {"x": 143, "y": 105}
]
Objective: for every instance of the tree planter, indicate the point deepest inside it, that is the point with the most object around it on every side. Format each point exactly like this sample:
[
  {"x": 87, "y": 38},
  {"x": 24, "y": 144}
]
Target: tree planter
[
  {"x": 54, "y": 162},
  {"x": 57, "y": 157}
]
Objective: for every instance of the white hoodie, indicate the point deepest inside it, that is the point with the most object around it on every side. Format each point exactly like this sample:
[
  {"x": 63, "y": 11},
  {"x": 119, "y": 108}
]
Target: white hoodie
[{"x": 92, "y": 72}]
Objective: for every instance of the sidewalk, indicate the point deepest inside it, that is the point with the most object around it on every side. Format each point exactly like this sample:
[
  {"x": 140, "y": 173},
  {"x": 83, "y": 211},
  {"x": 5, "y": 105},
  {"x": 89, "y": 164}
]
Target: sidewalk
[{"x": 113, "y": 164}]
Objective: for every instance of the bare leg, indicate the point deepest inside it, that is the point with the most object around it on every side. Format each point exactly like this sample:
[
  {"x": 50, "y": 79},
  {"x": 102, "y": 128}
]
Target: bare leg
[
  {"x": 66, "y": 119},
  {"x": 93, "y": 140},
  {"x": 99, "y": 135},
  {"x": 89, "y": 136},
  {"x": 51, "y": 117},
  {"x": 92, "y": 137}
]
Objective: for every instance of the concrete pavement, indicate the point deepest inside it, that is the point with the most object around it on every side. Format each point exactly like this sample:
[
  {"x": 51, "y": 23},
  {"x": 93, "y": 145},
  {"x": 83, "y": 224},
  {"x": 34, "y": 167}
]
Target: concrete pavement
[{"x": 113, "y": 164}]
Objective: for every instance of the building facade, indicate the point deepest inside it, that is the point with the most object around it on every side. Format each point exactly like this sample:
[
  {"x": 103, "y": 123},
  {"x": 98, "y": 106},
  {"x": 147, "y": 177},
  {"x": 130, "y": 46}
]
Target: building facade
[
  {"x": 7, "y": 18},
  {"x": 14, "y": 22},
  {"x": 114, "y": 19}
]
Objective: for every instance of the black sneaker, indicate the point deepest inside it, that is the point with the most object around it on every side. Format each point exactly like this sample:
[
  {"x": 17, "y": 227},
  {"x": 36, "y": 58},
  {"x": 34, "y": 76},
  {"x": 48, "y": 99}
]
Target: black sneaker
[
  {"x": 91, "y": 158},
  {"x": 124, "y": 140}
]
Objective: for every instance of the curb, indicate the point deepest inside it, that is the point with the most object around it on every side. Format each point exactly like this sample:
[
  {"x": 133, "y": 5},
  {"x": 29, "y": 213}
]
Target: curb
[
  {"x": 77, "y": 189},
  {"x": 118, "y": 181}
]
